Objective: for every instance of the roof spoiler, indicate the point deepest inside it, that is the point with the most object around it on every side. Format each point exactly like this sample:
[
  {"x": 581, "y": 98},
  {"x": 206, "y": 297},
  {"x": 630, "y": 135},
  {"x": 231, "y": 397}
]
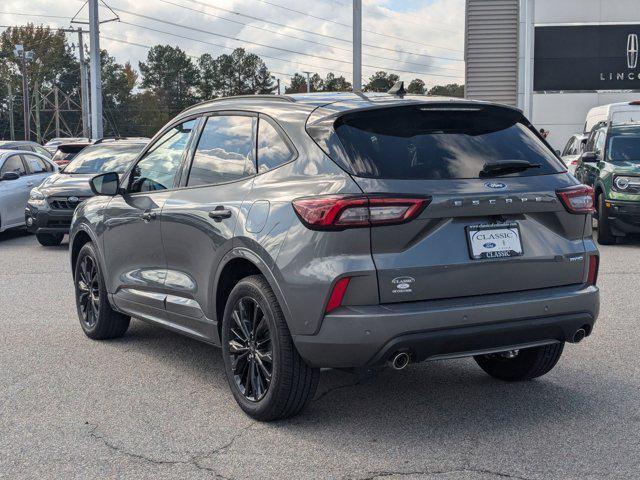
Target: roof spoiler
[{"x": 397, "y": 89}]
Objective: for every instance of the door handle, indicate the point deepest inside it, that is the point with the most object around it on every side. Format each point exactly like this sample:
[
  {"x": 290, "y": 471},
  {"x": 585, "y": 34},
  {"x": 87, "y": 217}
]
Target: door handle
[
  {"x": 148, "y": 216},
  {"x": 220, "y": 213}
]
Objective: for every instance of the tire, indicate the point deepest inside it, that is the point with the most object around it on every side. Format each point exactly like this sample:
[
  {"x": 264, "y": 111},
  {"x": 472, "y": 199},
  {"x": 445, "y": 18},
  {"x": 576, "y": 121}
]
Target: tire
[
  {"x": 97, "y": 319},
  {"x": 290, "y": 384},
  {"x": 50, "y": 239},
  {"x": 530, "y": 363},
  {"x": 605, "y": 237}
]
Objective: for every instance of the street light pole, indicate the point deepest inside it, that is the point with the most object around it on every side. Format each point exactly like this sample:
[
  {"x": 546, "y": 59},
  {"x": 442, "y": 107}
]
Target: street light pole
[
  {"x": 308, "y": 81},
  {"x": 96, "y": 80},
  {"x": 357, "y": 45},
  {"x": 25, "y": 93},
  {"x": 84, "y": 87}
]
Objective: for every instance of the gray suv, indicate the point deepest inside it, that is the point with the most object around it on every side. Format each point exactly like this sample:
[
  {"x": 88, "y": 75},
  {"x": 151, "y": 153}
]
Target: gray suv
[{"x": 343, "y": 231}]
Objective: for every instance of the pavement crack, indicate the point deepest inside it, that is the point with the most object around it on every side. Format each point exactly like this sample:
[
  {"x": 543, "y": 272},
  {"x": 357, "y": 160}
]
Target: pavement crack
[
  {"x": 390, "y": 473},
  {"x": 194, "y": 461},
  {"x": 333, "y": 389}
]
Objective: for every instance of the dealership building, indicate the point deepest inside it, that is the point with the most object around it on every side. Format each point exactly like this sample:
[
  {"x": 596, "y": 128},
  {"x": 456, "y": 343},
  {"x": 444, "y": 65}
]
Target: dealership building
[{"x": 554, "y": 59}]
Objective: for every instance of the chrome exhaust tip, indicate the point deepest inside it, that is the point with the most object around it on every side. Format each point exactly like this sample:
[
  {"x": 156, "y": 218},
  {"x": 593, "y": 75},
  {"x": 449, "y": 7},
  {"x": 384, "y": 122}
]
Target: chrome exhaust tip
[
  {"x": 579, "y": 335},
  {"x": 400, "y": 360}
]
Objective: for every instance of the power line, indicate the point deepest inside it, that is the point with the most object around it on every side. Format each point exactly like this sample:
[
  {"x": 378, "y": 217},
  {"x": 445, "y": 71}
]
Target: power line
[
  {"x": 321, "y": 57},
  {"x": 322, "y": 34},
  {"x": 324, "y": 19},
  {"x": 302, "y": 39}
]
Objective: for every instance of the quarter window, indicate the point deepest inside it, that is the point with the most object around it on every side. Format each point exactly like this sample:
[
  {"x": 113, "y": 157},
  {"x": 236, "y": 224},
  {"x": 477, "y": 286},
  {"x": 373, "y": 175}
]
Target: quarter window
[
  {"x": 225, "y": 151},
  {"x": 157, "y": 169},
  {"x": 273, "y": 151},
  {"x": 13, "y": 164}
]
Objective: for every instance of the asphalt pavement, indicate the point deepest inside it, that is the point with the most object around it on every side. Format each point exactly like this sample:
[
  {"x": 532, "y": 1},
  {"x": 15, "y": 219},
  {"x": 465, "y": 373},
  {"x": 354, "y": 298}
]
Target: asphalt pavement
[{"x": 154, "y": 404}]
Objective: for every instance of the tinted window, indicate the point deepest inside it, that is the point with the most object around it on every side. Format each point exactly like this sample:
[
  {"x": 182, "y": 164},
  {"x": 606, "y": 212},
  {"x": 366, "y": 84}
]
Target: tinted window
[
  {"x": 36, "y": 164},
  {"x": 599, "y": 143},
  {"x": 158, "y": 168},
  {"x": 439, "y": 142},
  {"x": 112, "y": 157},
  {"x": 13, "y": 164},
  {"x": 273, "y": 151},
  {"x": 225, "y": 150},
  {"x": 568, "y": 149}
]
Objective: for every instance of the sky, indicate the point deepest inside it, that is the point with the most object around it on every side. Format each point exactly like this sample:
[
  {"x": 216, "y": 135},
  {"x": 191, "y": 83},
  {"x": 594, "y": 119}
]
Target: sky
[{"x": 412, "y": 38}]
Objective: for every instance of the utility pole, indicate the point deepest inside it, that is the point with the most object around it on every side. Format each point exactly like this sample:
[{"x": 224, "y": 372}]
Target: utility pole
[
  {"x": 12, "y": 131},
  {"x": 279, "y": 87},
  {"x": 357, "y": 45},
  {"x": 36, "y": 96},
  {"x": 26, "y": 111},
  {"x": 96, "y": 80},
  {"x": 308, "y": 81},
  {"x": 84, "y": 87},
  {"x": 56, "y": 110}
]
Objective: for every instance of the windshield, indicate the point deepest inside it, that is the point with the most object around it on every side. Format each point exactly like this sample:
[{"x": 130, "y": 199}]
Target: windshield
[
  {"x": 624, "y": 144},
  {"x": 104, "y": 158},
  {"x": 441, "y": 142}
]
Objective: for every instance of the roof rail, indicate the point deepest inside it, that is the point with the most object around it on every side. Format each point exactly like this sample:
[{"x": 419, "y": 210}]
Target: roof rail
[{"x": 276, "y": 98}]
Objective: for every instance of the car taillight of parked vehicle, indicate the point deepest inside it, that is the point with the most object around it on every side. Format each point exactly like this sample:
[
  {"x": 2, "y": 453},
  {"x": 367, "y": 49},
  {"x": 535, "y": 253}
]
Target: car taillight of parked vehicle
[
  {"x": 578, "y": 199},
  {"x": 594, "y": 265},
  {"x": 338, "y": 212}
]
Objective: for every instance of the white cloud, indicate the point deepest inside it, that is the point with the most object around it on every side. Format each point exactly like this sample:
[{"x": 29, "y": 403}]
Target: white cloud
[{"x": 435, "y": 28}]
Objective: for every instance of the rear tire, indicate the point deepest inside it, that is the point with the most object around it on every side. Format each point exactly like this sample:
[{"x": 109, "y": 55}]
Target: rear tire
[
  {"x": 49, "y": 239},
  {"x": 97, "y": 319},
  {"x": 605, "y": 237},
  {"x": 530, "y": 363},
  {"x": 266, "y": 374}
]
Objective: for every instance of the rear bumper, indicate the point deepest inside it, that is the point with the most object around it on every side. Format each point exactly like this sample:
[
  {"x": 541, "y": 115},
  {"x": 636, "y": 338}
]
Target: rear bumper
[
  {"x": 369, "y": 336},
  {"x": 624, "y": 216},
  {"x": 47, "y": 221}
]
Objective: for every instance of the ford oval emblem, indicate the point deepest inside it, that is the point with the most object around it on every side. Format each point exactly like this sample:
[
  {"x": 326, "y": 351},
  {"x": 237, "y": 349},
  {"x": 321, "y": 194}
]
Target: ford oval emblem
[
  {"x": 495, "y": 185},
  {"x": 489, "y": 245},
  {"x": 73, "y": 199}
]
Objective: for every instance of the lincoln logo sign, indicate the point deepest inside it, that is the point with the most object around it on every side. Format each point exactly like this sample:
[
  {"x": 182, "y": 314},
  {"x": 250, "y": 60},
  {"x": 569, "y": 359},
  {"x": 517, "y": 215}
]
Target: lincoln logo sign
[
  {"x": 632, "y": 50},
  {"x": 587, "y": 58}
]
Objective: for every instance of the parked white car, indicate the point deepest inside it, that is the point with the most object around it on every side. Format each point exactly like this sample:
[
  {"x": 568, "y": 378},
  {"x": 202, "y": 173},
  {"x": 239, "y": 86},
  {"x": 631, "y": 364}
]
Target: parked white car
[
  {"x": 20, "y": 171},
  {"x": 572, "y": 151}
]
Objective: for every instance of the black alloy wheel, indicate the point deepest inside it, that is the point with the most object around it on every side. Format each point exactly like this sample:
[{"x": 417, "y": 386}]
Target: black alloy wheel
[
  {"x": 88, "y": 291},
  {"x": 250, "y": 349}
]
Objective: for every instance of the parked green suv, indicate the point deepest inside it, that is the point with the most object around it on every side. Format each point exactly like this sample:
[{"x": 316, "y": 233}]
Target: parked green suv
[{"x": 611, "y": 165}]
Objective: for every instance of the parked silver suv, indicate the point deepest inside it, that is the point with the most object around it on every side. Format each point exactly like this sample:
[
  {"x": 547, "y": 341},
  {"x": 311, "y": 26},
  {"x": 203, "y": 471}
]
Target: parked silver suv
[{"x": 345, "y": 231}]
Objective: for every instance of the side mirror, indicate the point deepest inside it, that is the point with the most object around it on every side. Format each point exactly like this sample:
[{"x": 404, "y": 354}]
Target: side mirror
[
  {"x": 10, "y": 176},
  {"x": 589, "y": 157},
  {"x": 105, "y": 184}
]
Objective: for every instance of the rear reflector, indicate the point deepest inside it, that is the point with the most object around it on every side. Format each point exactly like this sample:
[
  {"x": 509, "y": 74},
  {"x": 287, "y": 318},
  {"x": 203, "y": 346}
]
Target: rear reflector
[
  {"x": 594, "y": 263},
  {"x": 337, "y": 212},
  {"x": 337, "y": 294},
  {"x": 578, "y": 199}
]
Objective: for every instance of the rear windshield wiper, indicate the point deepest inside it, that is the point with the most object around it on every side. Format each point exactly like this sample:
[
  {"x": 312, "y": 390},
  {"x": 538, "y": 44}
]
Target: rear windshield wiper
[{"x": 504, "y": 167}]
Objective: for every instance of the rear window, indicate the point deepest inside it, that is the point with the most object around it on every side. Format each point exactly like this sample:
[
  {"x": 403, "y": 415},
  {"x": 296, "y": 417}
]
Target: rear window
[{"x": 439, "y": 142}]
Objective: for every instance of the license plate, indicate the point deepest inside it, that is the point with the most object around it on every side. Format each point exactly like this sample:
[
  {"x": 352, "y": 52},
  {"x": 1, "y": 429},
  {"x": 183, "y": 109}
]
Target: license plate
[{"x": 494, "y": 241}]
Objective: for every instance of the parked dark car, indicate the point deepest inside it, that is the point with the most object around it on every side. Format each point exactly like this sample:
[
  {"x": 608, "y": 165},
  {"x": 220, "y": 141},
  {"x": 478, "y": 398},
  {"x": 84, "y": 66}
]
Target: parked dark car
[
  {"x": 24, "y": 145},
  {"x": 53, "y": 144},
  {"x": 345, "y": 231},
  {"x": 68, "y": 151},
  {"x": 50, "y": 207}
]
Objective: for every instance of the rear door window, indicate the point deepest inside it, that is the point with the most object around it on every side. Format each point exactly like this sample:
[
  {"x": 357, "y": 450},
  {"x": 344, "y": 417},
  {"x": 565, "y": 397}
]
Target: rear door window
[
  {"x": 439, "y": 142},
  {"x": 273, "y": 150},
  {"x": 225, "y": 152}
]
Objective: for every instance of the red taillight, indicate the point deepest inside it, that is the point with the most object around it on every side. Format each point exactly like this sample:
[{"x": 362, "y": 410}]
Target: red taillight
[
  {"x": 337, "y": 212},
  {"x": 337, "y": 294},
  {"x": 578, "y": 199},
  {"x": 574, "y": 162},
  {"x": 635, "y": 102},
  {"x": 594, "y": 263}
]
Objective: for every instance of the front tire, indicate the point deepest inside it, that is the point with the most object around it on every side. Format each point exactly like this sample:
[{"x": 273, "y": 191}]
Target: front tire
[
  {"x": 49, "y": 239},
  {"x": 97, "y": 319},
  {"x": 267, "y": 376},
  {"x": 528, "y": 364},
  {"x": 605, "y": 237}
]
